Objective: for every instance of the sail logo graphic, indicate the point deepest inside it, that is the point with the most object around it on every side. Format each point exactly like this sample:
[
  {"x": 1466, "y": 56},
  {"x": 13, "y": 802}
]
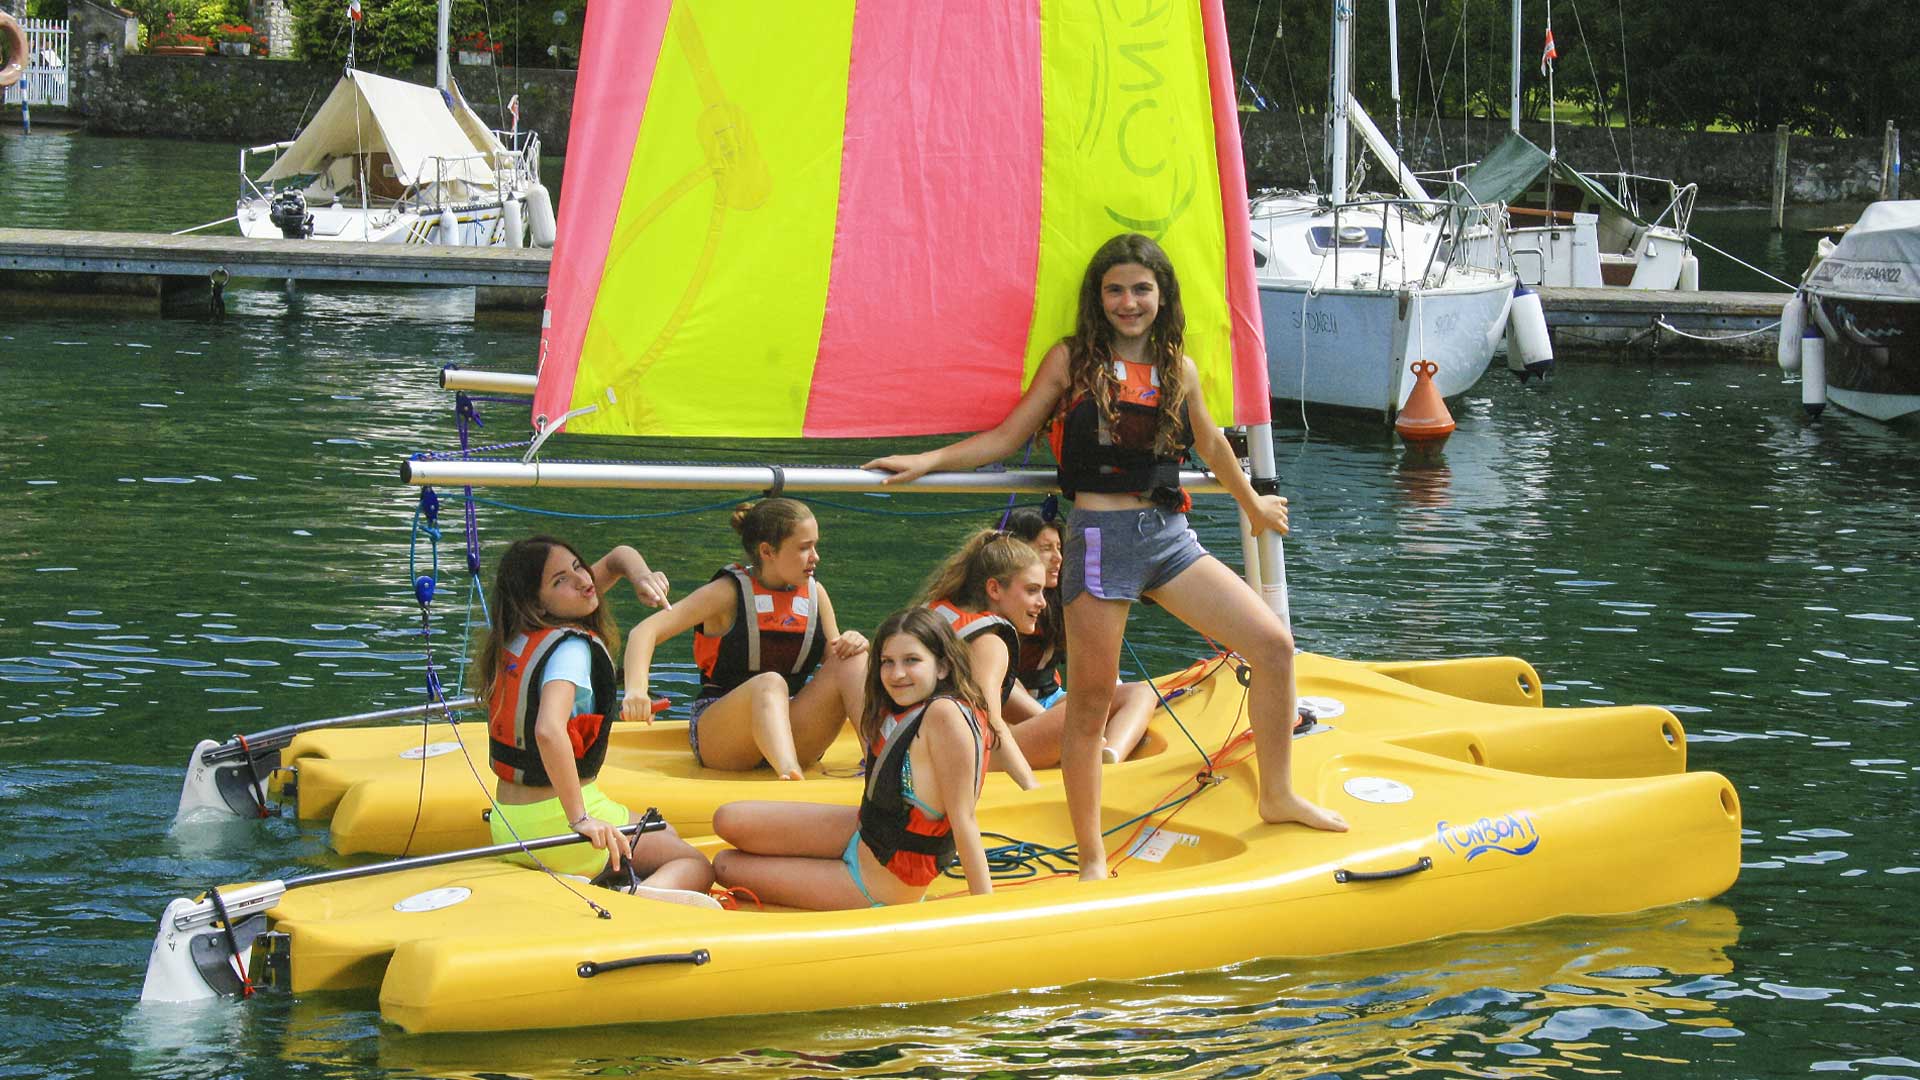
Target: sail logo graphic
[
  {"x": 1513, "y": 834},
  {"x": 1136, "y": 120}
]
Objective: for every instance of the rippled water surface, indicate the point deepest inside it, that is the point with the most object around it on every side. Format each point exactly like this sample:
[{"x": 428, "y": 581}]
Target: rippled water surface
[{"x": 202, "y": 532}]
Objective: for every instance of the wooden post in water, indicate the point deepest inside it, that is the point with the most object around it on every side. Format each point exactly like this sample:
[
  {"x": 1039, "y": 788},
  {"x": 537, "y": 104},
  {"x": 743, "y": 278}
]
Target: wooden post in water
[
  {"x": 1890, "y": 163},
  {"x": 1779, "y": 177}
]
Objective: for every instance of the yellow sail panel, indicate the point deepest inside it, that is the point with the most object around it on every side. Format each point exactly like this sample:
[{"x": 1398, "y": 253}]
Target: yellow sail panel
[
  {"x": 715, "y": 283},
  {"x": 1129, "y": 147}
]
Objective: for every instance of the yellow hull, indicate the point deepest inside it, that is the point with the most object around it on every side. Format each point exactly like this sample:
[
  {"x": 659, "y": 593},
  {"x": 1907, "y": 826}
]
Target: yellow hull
[
  {"x": 368, "y": 784},
  {"x": 1524, "y": 814}
]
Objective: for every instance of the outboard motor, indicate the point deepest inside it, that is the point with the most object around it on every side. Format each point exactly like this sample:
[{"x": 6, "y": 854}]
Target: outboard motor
[{"x": 288, "y": 212}]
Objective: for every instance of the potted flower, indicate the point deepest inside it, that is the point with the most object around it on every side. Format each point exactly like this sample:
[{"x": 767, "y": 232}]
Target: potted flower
[
  {"x": 235, "y": 39},
  {"x": 170, "y": 40},
  {"x": 477, "y": 48}
]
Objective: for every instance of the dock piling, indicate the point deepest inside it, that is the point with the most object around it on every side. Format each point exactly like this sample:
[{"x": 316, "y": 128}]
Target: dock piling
[{"x": 1779, "y": 177}]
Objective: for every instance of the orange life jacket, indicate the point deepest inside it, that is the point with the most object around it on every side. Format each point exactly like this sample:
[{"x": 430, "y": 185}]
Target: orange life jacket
[
  {"x": 968, "y": 625},
  {"x": 1094, "y": 456},
  {"x": 778, "y": 630},
  {"x": 910, "y": 842},
  {"x": 513, "y": 706}
]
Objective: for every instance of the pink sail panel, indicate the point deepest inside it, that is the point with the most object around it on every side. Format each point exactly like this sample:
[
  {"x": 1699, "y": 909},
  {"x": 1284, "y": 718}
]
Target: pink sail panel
[{"x": 935, "y": 243}]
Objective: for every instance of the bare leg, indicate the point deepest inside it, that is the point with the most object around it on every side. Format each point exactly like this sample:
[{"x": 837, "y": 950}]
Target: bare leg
[
  {"x": 669, "y": 862},
  {"x": 1213, "y": 600},
  {"x": 789, "y": 854},
  {"x": 1094, "y": 631},
  {"x": 1133, "y": 706},
  {"x": 749, "y": 725},
  {"x": 834, "y": 695}
]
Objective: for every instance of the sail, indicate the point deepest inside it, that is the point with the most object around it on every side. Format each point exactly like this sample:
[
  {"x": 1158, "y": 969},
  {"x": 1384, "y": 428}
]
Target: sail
[{"x": 854, "y": 218}]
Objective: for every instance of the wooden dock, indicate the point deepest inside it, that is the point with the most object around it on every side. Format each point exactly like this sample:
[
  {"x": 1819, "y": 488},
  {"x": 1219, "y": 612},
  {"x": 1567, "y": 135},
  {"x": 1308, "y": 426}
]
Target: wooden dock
[
  {"x": 1638, "y": 309},
  {"x": 202, "y": 256}
]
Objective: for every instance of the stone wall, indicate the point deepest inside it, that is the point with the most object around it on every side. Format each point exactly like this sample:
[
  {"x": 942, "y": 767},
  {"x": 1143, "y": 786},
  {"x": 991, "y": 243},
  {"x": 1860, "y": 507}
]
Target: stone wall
[{"x": 247, "y": 100}]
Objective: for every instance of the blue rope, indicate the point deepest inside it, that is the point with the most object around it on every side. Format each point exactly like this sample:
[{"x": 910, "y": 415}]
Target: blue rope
[
  {"x": 1019, "y": 859},
  {"x": 1166, "y": 702},
  {"x": 603, "y": 517}
]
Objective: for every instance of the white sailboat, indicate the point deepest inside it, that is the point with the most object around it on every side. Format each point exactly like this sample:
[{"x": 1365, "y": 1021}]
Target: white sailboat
[
  {"x": 1583, "y": 230},
  {"x": 391, "y": 162},
  {"x": 1353, "y": 289}
]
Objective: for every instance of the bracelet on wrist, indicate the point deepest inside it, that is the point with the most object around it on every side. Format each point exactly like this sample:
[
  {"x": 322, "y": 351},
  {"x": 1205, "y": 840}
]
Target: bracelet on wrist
[{"x": 576, "y": 822}]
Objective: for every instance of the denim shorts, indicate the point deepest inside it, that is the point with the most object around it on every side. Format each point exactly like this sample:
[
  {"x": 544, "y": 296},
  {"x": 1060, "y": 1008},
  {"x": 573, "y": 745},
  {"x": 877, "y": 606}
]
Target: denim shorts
[
  {"x": 1125, "y": 554},
  {"x": 699, "y": 706}
]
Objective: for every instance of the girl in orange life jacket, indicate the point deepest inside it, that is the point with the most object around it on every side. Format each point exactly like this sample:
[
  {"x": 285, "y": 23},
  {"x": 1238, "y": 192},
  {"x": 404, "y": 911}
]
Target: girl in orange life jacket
[
  {"x": 1037, "y": 707},
  {"x": 759, "y": 631},
  {"x": 924, "y": 764},
  {"x": 991, "y": 591},
  {"x": 1128, "y": 405},
  {"x": 548, "y": 678}
]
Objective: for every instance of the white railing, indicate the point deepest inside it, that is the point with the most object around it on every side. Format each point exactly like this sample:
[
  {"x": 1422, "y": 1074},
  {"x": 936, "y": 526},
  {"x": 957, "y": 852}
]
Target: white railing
[{"x": 48, "y": 52}]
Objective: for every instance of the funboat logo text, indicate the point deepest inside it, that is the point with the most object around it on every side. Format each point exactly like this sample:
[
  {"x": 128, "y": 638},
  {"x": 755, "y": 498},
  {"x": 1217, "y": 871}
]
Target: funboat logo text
[{"x": 1513, "y": 834}]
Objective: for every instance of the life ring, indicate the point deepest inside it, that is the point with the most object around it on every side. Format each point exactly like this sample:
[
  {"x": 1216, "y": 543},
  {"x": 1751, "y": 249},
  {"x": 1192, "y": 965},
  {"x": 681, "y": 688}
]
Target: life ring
[{"x": 15, "y": 41}]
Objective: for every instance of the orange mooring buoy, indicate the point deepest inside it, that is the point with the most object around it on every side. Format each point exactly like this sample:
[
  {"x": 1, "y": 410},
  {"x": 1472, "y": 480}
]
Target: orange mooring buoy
[{"x": 1425, "y": 422}]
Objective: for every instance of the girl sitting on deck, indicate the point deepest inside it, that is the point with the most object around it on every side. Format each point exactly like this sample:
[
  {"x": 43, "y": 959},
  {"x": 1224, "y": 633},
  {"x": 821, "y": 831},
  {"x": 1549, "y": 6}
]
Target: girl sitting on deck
[
  {"x": 1037, "y": 707},
  {"x": 991, "y": 591},
  {"x": 760, "y": 631},
  {"x": 1125, "y": 404},
  {"x": 547, "y": 676},
  {"x": 924, "y": 762}
]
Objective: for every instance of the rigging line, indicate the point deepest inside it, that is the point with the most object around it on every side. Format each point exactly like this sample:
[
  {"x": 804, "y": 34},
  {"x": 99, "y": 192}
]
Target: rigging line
[
  {"x": 478, "y": 500},
  {"x": 1661, "y": 322},
  {"x": 1626, "y": 85},
  {"x": 1696, "y": 239},
  {"x": 1293, "y": 91},
  {"x": 1246, "y": 64},
  {"x": 1581, "y": 29},
  {"x": 1164, "y": 703}
]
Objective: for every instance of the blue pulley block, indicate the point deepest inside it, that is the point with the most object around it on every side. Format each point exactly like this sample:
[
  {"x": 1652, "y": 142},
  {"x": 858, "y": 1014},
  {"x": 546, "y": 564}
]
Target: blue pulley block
[
  {"x": 423, "y": 589},
  {"x": 429, "y": 504}
]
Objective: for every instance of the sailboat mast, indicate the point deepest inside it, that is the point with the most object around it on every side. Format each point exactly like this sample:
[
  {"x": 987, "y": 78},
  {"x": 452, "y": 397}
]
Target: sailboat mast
[
  {"x": 440, "y": 71},
  {"x": 1513, "y": 105},
  {"x": 1342, "y": 92}
]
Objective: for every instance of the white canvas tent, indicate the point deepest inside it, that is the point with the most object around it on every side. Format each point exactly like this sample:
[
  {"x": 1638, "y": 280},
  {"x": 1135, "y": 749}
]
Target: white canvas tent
[{"x": 420, "y": 139}]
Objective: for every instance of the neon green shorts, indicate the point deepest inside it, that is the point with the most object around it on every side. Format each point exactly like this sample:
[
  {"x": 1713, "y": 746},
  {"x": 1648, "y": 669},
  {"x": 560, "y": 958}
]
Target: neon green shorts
[{"x": 547, "y": 817}]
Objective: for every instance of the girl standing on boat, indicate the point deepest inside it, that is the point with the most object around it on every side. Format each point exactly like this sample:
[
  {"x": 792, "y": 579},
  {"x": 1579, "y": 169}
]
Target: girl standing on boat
[
  {"x": 547, "y": 675},
  {"x": 760, "y": 632},
  {"x": 1037, "y": 707},
  {"x": 1125, "y": 406},
  {"x": 925, "y": 758},
  {"x": 991, "y": 591}
]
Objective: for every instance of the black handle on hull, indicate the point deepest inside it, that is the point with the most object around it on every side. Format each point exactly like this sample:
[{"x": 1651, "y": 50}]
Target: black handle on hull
[
  {"x": 589, "y": 968},
  {"x": 1344, "y": 876}
]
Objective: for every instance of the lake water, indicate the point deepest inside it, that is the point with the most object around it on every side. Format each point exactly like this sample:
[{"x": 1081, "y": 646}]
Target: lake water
[{"x": 201, "y": 532}]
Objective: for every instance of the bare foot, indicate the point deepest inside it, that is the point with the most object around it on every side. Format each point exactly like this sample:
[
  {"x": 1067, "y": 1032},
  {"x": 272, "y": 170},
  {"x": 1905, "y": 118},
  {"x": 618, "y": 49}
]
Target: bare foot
[
  {"x": 1109, "y": 756},
  {"x": 1095, "y": 871},
  {"x": 793, "y": 774},
  {"x": 1293, "y": 808}
]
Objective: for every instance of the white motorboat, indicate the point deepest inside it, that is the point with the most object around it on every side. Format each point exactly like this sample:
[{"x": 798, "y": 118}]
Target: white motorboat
[
  {"x": 1861, "y": 344},
  {"x": 1568, "y": 228},
  {"x": 1353, "y": 290}
]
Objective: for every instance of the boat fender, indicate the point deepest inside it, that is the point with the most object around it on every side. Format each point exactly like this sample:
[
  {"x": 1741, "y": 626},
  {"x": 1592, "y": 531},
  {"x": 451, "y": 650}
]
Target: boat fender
[
  {"x": 516, "y": 225},
  {"x": 1690, "y": 272},
  {"x": 1813, "y": 374},
  {"x": 540, "y": 216},
  {"x": 13, "y": 44},
  {"x": 1793, "y": 326},
  {"x": 1529, "y": 323},
  {"x": 449, "y": 235}
]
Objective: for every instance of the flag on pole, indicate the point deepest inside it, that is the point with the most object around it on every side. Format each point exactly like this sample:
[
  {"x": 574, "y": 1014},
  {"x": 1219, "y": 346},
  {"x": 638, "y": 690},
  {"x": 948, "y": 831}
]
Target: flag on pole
[
  {"x": 1549, "y": 54},
  {"x": 353, "y": 10}
]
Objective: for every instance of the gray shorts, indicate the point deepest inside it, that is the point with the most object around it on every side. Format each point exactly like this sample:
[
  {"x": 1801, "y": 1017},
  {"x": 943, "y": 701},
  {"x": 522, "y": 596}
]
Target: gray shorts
[{"x": 1125, "y": 554}]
